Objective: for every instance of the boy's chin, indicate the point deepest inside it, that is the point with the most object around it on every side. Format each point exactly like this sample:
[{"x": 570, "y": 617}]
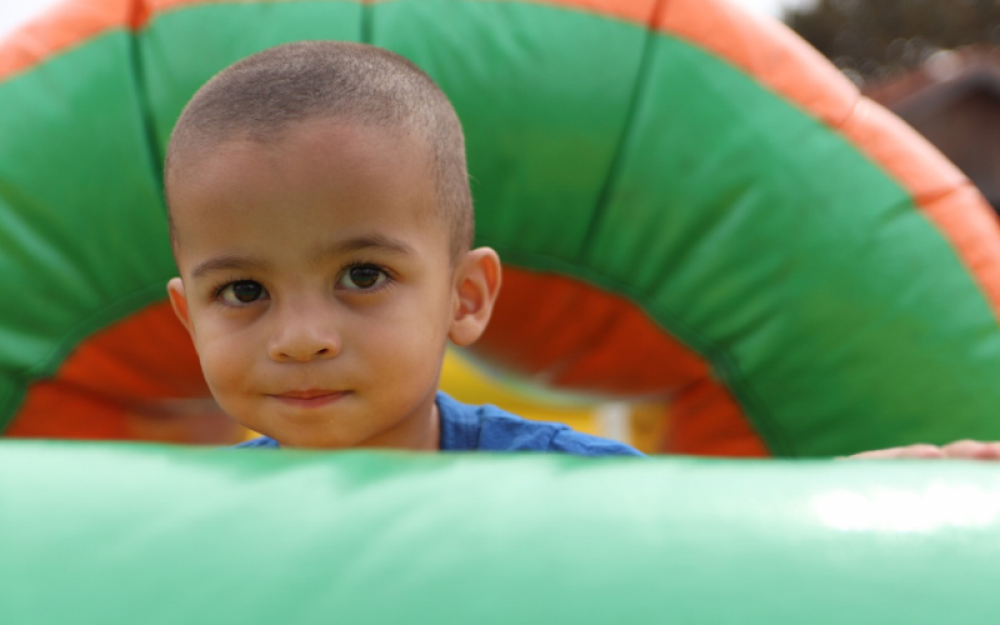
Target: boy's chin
[{"x": 314, "y": 440}]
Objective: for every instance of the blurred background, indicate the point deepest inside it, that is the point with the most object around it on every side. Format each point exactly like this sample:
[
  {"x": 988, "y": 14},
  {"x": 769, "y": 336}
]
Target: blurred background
[{"x": 935, "y": 63}]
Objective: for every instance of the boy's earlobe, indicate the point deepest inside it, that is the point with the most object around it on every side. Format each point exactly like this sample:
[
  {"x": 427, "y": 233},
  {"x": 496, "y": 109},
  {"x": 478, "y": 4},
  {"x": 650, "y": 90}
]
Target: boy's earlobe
[
  {"x": 477, "y": 285},
  {"x": 178, "y": 299}
]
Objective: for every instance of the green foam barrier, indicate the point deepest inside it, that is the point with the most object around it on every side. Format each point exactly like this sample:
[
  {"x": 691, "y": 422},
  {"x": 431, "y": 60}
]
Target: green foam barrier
[{"x": 138, "y": 534}]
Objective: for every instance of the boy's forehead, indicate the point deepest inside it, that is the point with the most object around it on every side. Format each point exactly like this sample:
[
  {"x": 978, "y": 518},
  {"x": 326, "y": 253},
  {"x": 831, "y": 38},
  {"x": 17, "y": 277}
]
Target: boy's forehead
[
  {"x": 340, "y": 143},
  {"x": 310, "y": 171},
  {"x": 346, "y": 133}
]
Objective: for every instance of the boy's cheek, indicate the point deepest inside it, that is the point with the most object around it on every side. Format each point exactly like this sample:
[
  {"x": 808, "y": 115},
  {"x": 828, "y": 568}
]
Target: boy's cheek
[{"x": 223, "y": 362}]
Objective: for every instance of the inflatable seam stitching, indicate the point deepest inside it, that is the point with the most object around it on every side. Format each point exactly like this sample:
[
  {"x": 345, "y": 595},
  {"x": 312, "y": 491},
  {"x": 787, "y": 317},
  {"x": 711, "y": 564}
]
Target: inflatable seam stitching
[
  {"x": 154, "y": 150},
  {"x": 638, "y": 89}
]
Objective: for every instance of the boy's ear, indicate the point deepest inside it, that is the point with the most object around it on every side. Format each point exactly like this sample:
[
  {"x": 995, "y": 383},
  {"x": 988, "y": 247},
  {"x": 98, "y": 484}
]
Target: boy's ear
[
  {"x": 477, "y": 282},
  {"x": 178, "y": 299}
]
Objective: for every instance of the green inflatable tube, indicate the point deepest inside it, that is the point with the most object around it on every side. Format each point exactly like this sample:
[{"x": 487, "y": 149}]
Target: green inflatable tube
[{"x": 119, "y": 535}]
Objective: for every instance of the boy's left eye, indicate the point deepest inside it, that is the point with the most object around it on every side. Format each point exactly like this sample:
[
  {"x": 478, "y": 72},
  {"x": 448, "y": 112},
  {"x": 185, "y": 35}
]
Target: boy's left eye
[{"x": 361, "y": 277}]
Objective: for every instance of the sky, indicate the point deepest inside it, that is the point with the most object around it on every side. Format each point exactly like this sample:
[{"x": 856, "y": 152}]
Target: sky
[{"x": 16, "y": 12}]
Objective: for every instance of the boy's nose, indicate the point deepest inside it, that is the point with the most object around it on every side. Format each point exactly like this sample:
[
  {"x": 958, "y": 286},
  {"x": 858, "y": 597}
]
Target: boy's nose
[{"x": 302, "y": 341}]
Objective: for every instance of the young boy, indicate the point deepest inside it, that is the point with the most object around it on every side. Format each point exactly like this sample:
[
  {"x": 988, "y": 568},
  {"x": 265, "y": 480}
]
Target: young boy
[{"x": 322, "y": 222}]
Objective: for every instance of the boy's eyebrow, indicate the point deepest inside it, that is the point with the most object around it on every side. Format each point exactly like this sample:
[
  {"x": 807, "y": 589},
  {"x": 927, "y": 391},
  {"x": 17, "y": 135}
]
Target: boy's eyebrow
[
  {"x": 245, "y": 263},
  {"x": 227, "y": 262},
  {"x": 365, "y": 242}
]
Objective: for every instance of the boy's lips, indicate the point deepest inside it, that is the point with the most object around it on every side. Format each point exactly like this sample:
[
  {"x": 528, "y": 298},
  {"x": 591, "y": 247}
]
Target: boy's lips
[{"x": 309, "y": 398}]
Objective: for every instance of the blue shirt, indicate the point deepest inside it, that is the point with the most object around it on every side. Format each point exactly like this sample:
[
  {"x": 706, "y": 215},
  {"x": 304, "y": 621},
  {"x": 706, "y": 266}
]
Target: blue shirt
[{"x": 487, "y": 428}]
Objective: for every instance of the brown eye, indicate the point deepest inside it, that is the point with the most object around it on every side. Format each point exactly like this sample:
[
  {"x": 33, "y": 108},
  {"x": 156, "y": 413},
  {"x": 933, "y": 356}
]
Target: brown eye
[
  {"x": 243, "y": 292},
  {"x": 361, "y": 277}
]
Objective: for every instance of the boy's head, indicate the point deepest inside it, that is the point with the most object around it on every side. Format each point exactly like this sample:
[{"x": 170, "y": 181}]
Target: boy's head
[
  {"x": 262, "y": 96},
  {"x": 321, "y": 221}
]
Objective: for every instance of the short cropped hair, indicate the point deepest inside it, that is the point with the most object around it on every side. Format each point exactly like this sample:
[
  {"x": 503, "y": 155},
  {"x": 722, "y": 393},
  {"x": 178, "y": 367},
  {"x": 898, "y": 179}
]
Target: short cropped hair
[{"x": 262, "y": 96}]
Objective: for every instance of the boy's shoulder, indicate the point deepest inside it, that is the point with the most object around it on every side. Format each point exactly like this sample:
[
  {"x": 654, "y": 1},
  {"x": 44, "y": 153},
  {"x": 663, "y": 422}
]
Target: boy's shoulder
[
  {"x": 467, "y": 427},
  {"x": 488, "y": 428}
]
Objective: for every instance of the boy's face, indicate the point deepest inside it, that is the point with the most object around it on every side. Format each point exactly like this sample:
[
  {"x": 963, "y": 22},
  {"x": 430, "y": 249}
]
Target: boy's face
[{"x": 317, "y": 285}]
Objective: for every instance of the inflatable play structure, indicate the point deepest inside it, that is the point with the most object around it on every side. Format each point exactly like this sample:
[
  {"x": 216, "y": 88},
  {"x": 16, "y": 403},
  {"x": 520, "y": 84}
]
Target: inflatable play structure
[
  {"x": 119, "y": 535},
  {"x": 691, "y": 204}
]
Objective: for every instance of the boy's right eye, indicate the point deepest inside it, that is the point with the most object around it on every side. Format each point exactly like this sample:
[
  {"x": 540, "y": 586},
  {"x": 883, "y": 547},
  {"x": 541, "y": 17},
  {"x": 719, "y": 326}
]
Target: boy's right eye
[{"x": 242, "y": 292}]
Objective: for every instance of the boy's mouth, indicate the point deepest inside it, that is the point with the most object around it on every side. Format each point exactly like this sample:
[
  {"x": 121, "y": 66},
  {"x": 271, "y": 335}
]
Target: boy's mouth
[{"x": 310, "y": 398}]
